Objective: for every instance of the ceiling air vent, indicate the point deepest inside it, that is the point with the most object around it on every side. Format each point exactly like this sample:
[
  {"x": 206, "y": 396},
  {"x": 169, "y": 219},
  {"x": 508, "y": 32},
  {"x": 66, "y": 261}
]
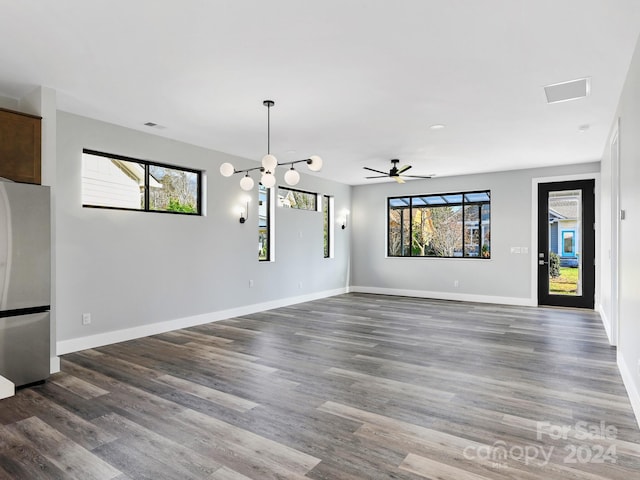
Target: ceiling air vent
[
  {"x": 565, "y": 91},
  {"x": 154, "y": 125}
]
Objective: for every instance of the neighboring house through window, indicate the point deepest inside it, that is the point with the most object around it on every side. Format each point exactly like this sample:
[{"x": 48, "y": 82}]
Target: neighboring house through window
[
  {"x": 564, "y": 226},
  {"x": 114, "y": 181}
]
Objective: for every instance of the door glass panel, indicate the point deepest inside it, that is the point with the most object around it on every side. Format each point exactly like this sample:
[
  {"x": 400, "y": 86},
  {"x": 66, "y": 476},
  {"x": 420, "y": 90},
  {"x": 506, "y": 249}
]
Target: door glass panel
[{"x": 565, "y": 227}]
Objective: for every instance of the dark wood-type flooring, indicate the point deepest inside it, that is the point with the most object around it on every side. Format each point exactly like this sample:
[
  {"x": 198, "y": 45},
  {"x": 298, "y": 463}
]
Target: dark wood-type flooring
[{"x": 351, "y": 387}]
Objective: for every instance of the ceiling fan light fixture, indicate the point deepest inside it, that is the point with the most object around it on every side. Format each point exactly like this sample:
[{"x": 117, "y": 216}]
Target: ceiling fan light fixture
[{"x": 395, "y": 173}]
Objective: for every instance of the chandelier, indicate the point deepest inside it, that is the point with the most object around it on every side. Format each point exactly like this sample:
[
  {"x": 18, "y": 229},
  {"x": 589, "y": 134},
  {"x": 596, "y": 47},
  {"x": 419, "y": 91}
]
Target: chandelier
[{"x": 270, "y": 162}]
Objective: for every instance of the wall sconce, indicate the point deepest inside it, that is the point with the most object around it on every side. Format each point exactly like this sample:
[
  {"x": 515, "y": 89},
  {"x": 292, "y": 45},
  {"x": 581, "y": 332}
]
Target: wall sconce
[
  {"x": 345, "y": 217},
  {"x": 244, "y": 211}
]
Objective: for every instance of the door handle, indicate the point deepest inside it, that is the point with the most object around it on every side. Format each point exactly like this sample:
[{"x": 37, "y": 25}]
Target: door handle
[{"x": 542, "y": 262}]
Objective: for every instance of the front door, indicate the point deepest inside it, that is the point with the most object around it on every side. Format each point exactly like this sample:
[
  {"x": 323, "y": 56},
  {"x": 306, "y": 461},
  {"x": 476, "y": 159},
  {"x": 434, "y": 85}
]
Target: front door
[{"x": 566, "y": 244}]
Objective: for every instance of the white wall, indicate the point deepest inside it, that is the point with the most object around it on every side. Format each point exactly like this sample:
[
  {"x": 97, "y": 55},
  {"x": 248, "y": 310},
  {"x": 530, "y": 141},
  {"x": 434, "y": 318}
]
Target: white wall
[
  {"x": 629, "y": 252},
  {"x": 505, "y": 278},
  {"x": 9, "y": 103},
  {"x": 607, "y": 250},
  {"x": 138, "y": 273}
]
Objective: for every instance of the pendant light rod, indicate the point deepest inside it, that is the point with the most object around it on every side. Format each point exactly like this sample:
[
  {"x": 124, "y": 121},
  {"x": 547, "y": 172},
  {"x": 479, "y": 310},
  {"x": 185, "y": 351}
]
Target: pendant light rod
[{"x": 268, "y": 104}]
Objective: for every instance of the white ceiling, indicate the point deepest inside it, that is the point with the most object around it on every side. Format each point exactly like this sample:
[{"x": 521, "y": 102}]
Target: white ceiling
[{"x": 357, "y": 82}]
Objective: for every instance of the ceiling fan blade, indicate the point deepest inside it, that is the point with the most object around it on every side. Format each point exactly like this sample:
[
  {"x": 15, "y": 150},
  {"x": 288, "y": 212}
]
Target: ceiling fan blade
[
  {"x": 374, "y": 170},
  {"x": 403, "y": 169},
  {"x": 398, "y": 179},
  {"x": 418, "y": 176},
  {"x": 378, "y": 176}
]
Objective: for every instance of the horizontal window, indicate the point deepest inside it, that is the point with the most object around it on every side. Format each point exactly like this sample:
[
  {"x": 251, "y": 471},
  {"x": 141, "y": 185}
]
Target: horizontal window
[
  {"x": 114, "y": 181},
  {"x": 301, "y": 200},
  {"x": 444, "y": 225}
]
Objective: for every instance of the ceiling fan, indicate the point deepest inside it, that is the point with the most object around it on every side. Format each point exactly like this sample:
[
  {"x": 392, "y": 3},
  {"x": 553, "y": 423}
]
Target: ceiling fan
[{"x": 395, "y": 172}]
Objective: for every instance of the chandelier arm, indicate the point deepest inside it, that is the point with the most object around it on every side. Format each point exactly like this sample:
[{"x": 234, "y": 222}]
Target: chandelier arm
[
  {"x": 294, "y": 162},
  {"x": 247, "y": 170}
]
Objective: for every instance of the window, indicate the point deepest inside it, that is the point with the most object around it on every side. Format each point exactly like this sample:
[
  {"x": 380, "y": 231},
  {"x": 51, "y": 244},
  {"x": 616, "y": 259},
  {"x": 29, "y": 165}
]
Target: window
[
  {"x": 443, "y": 225},
  {"x": 327, "y": 215},
  {"x": 568, "y": 243},
  {"x": 114, "y": 181},
  {"x": 299, "y": 199},
  {"x": 264, "y": 224}
]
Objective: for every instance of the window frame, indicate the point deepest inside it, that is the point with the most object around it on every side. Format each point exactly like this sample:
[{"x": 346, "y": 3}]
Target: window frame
[
  {"x": 328, "y": 226},
  {"x": 315, "y": 196},
  {"x": 572, "y": 253},
  {"x": 147, "y": 164},
  {"x": 268, "y": 195},
  {"x": 462, "y": 204}
]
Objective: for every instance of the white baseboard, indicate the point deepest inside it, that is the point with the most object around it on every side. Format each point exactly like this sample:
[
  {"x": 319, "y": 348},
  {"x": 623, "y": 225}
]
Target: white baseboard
[
  {"x": 54, "y": 364},
  {"x": 629, "y": 384},
  {"x": 606, "y": 323},
  {"x": 108, "y": 338},
  {"x": 7, "y": 388},
  {"x": 462, "y": 297}
]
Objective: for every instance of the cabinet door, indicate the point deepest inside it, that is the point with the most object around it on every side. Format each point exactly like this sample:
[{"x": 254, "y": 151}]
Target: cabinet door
[{"x": 20, "y": 140}]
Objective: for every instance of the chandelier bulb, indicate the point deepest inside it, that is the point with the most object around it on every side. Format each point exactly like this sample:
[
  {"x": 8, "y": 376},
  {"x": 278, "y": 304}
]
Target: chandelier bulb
[
  {"x": 246, "y": 183},
  {"x": 314, "y": 163},
  {"x": 292, "y": 177},
  {"x": 226, "y": 169}
]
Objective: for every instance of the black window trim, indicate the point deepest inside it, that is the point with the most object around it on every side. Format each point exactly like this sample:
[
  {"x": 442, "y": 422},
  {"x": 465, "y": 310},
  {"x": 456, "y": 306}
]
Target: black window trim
[
  {"x": 315, "y": 194},
  {"x": 268, "y": 256},
  {"x": 146, "y": 164},
  {"x": 327, "y": 198},
  {"x": 463, "y": 204}
]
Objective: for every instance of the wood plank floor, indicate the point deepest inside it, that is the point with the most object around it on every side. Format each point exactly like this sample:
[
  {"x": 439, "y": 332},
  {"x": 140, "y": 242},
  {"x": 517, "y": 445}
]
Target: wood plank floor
[{"x": 351, "y": 387}]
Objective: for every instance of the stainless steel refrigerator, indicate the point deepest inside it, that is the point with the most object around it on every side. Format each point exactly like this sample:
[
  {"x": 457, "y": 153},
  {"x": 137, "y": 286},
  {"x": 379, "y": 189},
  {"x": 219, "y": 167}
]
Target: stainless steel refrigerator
[{"x": 25, "y": 282}]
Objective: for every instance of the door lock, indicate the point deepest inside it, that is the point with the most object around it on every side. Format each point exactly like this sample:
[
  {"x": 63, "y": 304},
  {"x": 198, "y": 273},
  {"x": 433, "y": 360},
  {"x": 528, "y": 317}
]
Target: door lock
[{"x": 542, "y": 262}]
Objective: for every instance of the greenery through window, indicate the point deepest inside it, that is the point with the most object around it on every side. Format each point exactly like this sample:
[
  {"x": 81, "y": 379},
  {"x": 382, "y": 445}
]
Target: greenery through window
[
  {"x": 114, "y": 181},
  {"x": 264, "y": 224},
  {"x": 443, "y": 225},
  {"x": 301, "y": 200},
  {"x": 326, "y": 215}
]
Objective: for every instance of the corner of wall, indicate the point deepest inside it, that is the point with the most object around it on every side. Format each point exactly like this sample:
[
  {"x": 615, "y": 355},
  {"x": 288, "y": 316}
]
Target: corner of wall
[
  {"x": 629, "y": 384},
  {"x": 54, "y": 364},
  {"x": 606, "y": 323}
]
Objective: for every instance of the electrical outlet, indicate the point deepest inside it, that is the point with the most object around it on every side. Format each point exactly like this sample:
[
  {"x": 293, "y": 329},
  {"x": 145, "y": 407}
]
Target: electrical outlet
[
  {"x": 250, "y": 283},
  {"x": 86, "y": 318},
  {"x": 638, "y": 367},
  {"x": 299, "y": 284},
  {"x": 456, "y": 283}
]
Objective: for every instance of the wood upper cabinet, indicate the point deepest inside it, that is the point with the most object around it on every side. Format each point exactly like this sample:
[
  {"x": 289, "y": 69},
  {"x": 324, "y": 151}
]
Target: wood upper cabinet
[{"x": 20, "y": 144}]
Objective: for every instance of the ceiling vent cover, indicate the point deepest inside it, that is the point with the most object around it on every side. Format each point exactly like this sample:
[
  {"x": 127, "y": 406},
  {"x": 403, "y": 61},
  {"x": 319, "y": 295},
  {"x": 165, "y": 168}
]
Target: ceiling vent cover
[
  {"x": 565, "y": 91},
  {"x": 154, "y": 125}
]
